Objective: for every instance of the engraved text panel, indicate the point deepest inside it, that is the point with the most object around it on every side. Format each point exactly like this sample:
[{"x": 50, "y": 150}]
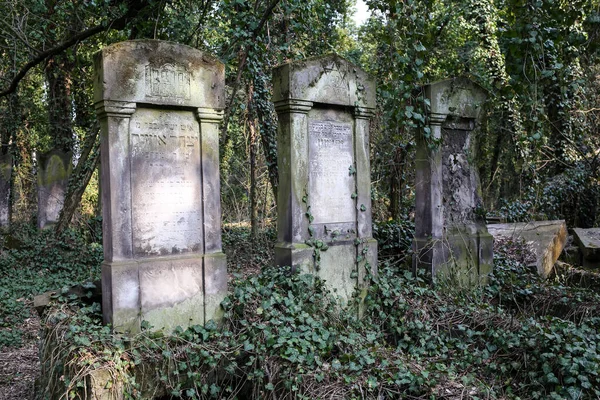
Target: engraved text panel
[
  {"x": 166, "y": 182},
  {"x": 331, "y": 183}
]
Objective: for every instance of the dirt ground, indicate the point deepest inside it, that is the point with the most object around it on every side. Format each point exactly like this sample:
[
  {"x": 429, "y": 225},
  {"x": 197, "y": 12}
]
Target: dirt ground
[{"x": 20, "y": 367}]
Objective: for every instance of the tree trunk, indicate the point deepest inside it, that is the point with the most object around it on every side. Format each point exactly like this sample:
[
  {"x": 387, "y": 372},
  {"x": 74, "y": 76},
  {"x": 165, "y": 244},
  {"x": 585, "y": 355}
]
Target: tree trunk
[
  {"x": 396, "y": 182},
  {"x": 58, "y": 71},
  {"x": 268, "y": 130},
  {"x": 252, "y": 144},
  {"x": 79, "y": 180}
]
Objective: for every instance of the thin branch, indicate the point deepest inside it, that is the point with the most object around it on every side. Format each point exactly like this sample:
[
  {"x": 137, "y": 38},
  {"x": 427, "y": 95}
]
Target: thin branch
[{"x": 118, "y": 23}]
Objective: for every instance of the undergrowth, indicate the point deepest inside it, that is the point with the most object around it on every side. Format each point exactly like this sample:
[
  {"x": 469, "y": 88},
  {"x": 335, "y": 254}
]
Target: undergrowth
[
  {"x": 33, "y": 262},
  {"x": 284, "y": 336}
]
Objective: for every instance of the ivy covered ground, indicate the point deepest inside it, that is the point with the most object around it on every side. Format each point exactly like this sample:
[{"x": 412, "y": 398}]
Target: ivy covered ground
[{"x": 285, "y": 337}]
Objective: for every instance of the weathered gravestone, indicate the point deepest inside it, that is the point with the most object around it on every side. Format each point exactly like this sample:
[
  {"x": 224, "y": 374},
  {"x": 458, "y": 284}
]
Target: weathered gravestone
[
  {"x": 159, "y": 105},
  {"x": 588, "y": 241},
  {"x": 54, "y": 170},
  {"x": 324, "y": 198},
  {"x": 5, "y": 175},
  {"x": 451, "y": 238}
]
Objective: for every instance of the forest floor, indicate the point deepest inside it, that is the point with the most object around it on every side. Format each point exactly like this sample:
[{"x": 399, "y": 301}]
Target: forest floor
[
  {"x": 20, "y": 366},
  {"x": 19, "y": 362},
  {"x": 412, "y": 341}
]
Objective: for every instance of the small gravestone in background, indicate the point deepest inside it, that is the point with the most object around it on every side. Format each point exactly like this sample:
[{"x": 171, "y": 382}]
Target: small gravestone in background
[
  {"x": 450, "y": 234},
  {"x": 159, "y": 106},
  {"x": 324, "y": 198},
  {"x": 588, "y": 241},
  {"x": 54, "y": 170},
  {"x": 5, "y": 175}
]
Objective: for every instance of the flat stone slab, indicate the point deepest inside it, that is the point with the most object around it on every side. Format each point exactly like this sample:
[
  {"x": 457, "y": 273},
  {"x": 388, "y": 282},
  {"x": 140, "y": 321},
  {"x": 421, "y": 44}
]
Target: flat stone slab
[
  {"x": 547, "y": 238},
  {"x": 588, "y": 241}
]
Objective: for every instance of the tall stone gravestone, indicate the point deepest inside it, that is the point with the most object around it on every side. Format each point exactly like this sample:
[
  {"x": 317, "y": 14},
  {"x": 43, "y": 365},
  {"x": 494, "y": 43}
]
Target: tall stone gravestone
[
  {"x": 159, "y": 105},
  {"x": 324, "y": 196},
  {"x": 451, "y": 237},
  {"x": 54, "y": 170},
  {"x": 5, "y": 176}
]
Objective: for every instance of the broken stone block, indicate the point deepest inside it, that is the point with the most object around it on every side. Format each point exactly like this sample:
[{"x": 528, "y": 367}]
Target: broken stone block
[
  {"x": 588, "y": 241},
  {"x": 547, "y": 239}
]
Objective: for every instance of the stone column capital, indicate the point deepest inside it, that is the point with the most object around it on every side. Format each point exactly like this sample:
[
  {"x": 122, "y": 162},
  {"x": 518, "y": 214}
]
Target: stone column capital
[
  {"x": 209, "y": 114},
  {"x": 437, "y": 118},
  {"x": 293, "y": 106},
  {"x": 363, "y": 112},
  {"x": 115, "y": 108}
]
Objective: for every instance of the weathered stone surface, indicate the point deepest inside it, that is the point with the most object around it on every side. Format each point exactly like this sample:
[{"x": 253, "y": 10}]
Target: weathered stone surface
[
  {"x": 547, "y": 239},
  {"x": 324, "y": 106},
  {"x": 159, "y": 105},
  {"x": 5, "y": 175},
  {"x": 54, "y": 170},
  {"x": 588, "y": 241},
  {"x": 451, "y": 239}
]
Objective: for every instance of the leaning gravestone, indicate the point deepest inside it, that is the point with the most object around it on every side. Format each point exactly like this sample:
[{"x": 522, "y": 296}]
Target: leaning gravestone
[
  {"x": 324, "y": 196},
  {"x": 5, "y": 175},
  {"x": 159, "y": 105},
  {"x": 450, "y": 234},
  {"x": 54, "y": 170}
]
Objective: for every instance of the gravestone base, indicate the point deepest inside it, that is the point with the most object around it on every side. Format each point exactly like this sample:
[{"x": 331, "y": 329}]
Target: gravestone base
[
  {"x": 463, "y": 257},
  {"x": 166, "y": 292},
  {"x": 338, "y": 265},
  {"x": 298, "y": 256}
]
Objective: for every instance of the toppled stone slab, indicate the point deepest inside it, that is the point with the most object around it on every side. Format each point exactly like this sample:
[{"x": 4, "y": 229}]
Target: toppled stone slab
[
  {"x": 547, "y": 239},
  {"x": 588, "y": 241},
  {"x": 92, "y": 291}
]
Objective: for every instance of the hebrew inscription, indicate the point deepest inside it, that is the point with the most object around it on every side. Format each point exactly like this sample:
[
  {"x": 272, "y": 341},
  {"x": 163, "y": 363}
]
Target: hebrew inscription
[
  {"x": 167, "y": 81},
  {"x": 166, "y": 189},
  {"x": 331, "y": 185}
]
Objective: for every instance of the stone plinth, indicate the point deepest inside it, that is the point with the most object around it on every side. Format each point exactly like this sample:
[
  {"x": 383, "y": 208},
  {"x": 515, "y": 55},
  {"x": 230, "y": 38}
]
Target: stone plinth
[
  {"x": 54, "y": 170},
  {"x": 451, "y": 238},
  {"x": 324, "y": 107},
  {"x": 588, "y": 241},
  {"x": 547, "y": 238},
  {"x": 5, "y": 176},
  {"x": 159, "y": 106}
]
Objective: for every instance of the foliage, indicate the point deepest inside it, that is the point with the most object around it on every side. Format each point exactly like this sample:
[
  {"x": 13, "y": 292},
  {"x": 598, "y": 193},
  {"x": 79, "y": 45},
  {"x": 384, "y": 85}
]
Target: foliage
[
  {"x": 245, "y": 254},
  {"x": 394, "y": 238},
  {"x": 33, "y": 262},
  {"x": 285, "y": 336}
]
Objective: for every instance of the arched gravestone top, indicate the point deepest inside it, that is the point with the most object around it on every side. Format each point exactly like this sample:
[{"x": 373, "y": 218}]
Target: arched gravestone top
[
  {"x": 456, "y": 97},
  {"x": 159, "y": 72},
  {"x": 330, "y": 79}
]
